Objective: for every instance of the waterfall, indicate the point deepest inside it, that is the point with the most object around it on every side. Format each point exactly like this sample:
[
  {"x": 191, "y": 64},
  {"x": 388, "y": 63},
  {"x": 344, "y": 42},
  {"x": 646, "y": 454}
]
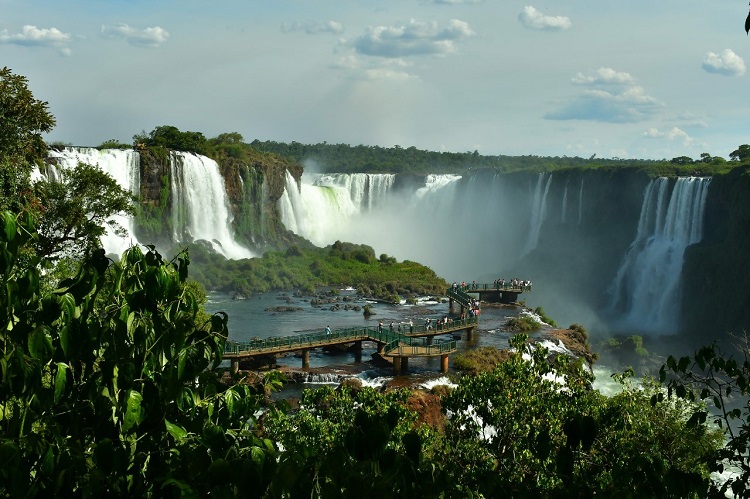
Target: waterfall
[
  {"x": 434, "y": 183},
  {"x": 538, "y": 211},
  {"x": 646, "y": 289},
  {"x": 365, "y": 190},
  {"x": 122, "y": 165},
  {"x": 320, "y": 213},
  {"x": 580, "y": 203},
  {"x": 564, "y": 208},
  {"x": 200, "y": 207}
]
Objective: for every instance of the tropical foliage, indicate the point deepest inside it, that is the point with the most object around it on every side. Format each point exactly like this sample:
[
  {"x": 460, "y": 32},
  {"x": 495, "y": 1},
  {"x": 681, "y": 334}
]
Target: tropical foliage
[
  {"x": 108, "y": 383},
  {"x": 307, "y": 268},
  {"x": 723, "y": 382}
]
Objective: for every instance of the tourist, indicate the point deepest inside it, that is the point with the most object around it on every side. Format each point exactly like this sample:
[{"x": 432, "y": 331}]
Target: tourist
[
  {"x": 411, "y": 326},
  {"x": 328, "y": 330}
]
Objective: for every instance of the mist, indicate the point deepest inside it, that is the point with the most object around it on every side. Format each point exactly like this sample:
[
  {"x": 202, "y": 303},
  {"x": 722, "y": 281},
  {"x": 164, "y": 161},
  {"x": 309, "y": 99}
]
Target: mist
[{"x": 573, "y": 234}]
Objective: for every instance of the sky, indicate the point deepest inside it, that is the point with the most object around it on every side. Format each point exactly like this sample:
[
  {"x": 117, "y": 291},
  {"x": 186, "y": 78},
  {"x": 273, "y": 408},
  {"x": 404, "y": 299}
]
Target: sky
[{"x": 644, "y": 79}]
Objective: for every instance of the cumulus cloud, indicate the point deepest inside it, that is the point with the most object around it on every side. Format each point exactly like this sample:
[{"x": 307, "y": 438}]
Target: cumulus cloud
[
  {"x": 148, "y": 37},
  {"x": 724, "y": 63},
  {"x": 31, "y": 36},
  {"x": 382, "y": 69},
  {"x": 613, "y": 97},
  {"x": 334, "y": 27},
  {"x": 603, "y": 76},
  {"x": 534, "y": 19},
  {"x": 455, "y": 2},
  {"x": 675, "y": 134},
  {"x": 416, "y": 38},
  {"x": 630, "y": 106}
]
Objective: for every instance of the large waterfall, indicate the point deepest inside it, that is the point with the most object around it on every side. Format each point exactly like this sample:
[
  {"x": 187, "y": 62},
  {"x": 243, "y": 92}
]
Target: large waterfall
[
  {"x": 324, "y": 208},
  {"x": 491, "y": 225},
  {"x": 645, "y": 291},
  {"x": 200, "y": 207},
  {"x": 123, "y": 166}
]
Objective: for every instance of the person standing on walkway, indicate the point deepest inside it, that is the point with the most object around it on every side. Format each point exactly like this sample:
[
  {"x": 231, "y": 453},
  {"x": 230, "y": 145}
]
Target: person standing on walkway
[{"x": 328, "y": 330}]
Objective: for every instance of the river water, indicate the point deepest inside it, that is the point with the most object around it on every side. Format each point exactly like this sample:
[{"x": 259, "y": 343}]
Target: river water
[{"x": 258, "y": 317}]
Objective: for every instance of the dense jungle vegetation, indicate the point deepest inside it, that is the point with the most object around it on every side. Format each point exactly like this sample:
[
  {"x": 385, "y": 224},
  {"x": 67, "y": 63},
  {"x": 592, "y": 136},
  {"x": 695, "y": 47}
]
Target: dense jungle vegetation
[
  {"x": 109, "y": 386},
  {"x": 308, "y": 268}
]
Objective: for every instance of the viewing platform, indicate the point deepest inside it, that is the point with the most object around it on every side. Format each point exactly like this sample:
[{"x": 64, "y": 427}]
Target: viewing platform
[
  {"x": 496, "y": 292},
  {"x": 399, "y": 343}
]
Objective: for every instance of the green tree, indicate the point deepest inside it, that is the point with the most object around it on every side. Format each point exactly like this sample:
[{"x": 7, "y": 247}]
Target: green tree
[
  {"x": 171, "y": 137},
  {"x": 534, "y": 429},
  {"x": 23, "y": 119},
  {"x": 741, "y": 154},
  {"x": 79, "y": 207}
]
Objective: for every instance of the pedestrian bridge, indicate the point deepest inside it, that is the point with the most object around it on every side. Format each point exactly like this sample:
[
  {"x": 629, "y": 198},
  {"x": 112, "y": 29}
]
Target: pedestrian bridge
[
  {"x": 410, "y": 341},
  {"x": 496, "y": 292}
]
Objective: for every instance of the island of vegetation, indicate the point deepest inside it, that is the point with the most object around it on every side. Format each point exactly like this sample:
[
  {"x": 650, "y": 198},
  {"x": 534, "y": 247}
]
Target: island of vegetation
[{"x": 108, "y": 385}]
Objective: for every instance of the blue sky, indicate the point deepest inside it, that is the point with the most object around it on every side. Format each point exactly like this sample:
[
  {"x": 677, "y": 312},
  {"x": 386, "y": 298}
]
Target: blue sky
[{"x": 627, "y": 79}]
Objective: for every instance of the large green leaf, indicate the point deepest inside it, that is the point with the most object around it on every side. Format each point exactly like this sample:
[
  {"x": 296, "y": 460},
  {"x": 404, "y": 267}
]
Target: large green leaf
[
  {"x": 40, "y": 343},
  {"x": 133, "y": 411},
  {"x": 61, "y": 379},
  {"x": 177, "y": 432}
]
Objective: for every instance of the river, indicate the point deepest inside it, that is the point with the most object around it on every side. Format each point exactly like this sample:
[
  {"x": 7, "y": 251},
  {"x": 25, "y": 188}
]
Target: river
[{"x": 257, "y": 317}]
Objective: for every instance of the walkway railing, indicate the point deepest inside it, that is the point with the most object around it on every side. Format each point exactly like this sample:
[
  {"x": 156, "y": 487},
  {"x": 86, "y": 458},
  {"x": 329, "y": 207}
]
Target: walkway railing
[
  {"x": 496, "y": 287},
  {"x": 392, "y": 339}
]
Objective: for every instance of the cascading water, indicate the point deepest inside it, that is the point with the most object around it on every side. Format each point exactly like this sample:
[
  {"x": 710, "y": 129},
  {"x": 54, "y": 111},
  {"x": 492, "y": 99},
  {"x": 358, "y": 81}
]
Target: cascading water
[
  {"x": 200, "y": 207},
  {"x": 365, "y": 189},
  {"x": 645, "y": 291},
  {"x": 538, "y": 211},
  {"x": 580, "y": 203},
  {"x": 123, "y": 166}
]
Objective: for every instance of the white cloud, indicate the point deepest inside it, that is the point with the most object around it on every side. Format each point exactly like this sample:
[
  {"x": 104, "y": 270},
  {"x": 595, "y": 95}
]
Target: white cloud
[
  {"x": 455, "y": 2},
  {"x": 604, "y": 76},
  {"x": 334, "y": 27},
  {"x": 416, "y": 38},
  {"x": 671, "y": 135},
  {"x": 630, "y": 106},
  {"x": 534, "y": 19},
  {"x": 383, "y": 69},
  {"x": 31, "y": 36},
  {"x": 725, "y": 63},
  {"x": 613, "y": 97},
  {"x": 148, "y": 37}
]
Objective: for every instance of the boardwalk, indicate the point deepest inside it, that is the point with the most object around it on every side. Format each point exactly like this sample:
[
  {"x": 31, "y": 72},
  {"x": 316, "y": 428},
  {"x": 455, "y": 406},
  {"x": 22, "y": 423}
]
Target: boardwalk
[{"x": 412, "y": 341}]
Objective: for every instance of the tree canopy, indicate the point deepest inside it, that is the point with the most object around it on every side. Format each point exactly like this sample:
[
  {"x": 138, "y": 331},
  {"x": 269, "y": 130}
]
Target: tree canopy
[{"x": 23, "y": 119}]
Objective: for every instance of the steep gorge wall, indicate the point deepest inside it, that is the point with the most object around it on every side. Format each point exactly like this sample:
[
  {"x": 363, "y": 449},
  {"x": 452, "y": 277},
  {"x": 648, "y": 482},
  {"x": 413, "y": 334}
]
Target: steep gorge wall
[
  {"x": 253, "y": 191},
  {"x": 591, "y": 219},
  {"x": 716, "y": 273}
]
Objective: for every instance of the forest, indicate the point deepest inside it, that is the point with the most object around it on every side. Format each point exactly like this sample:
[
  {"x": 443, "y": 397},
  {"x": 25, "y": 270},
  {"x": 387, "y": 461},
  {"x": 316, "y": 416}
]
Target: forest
[{"x": 109, "y": 385}]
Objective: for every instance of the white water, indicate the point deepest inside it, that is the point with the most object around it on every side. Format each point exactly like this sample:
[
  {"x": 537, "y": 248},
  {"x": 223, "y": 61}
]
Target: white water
[
  {"x": 200, "y": 207},
  {"x": 364, "y": 189},
  {"x": 580, "y": 203},
  {"x": 646, "y": 290},
  {"x": 538, "y": 211},
  {"x": 123, "y": 166}
]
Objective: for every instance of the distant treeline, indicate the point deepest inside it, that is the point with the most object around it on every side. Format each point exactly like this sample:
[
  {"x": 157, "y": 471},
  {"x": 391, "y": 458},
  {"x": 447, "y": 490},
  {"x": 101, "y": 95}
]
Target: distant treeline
[{"x": 345, "y": 158}]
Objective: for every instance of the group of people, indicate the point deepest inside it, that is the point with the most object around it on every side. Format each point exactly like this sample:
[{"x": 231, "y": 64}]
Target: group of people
[
  {"x": 514, "y": 283},
  {"x": 400, "y": 327}
]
